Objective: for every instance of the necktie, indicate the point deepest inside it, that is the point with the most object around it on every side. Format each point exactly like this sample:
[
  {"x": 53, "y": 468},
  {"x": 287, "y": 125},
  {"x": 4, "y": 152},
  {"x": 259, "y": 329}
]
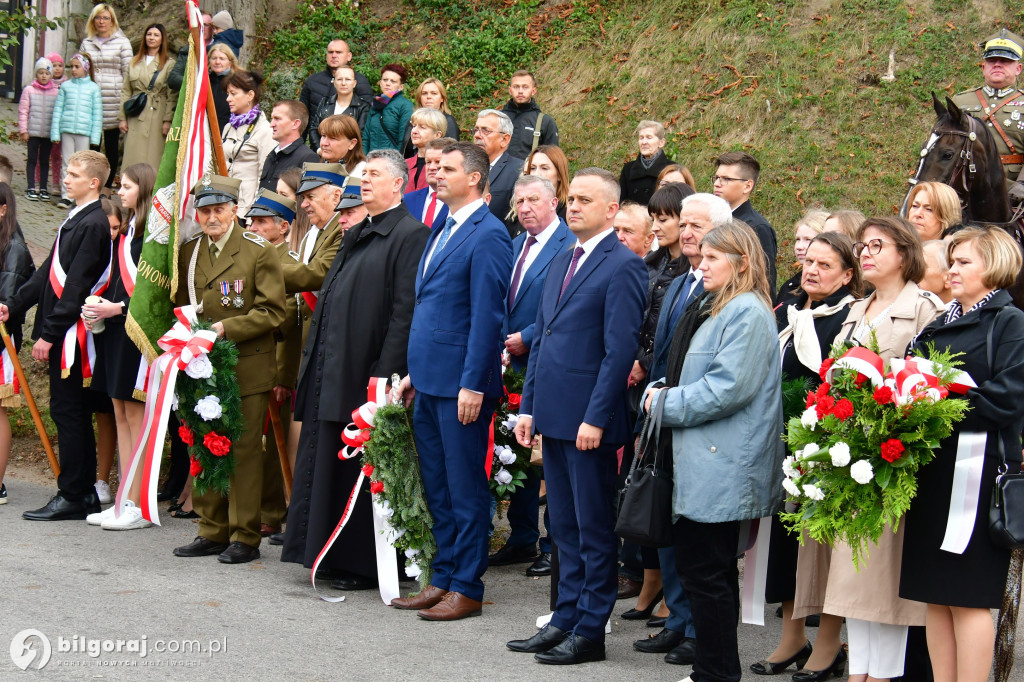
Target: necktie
[
  {"x": 429, "y": 218},
  {"x": 443, "y": 239},
  {"x": 576, "y": 255},
  {"x": 213, "y": 251},
  {"x": 517, "y": 277},
  {"x": 681, "y": 301}
]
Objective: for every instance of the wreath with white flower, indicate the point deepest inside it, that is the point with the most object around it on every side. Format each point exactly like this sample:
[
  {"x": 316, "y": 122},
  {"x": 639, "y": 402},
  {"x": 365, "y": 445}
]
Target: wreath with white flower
[{"x": 511, "y": 461}]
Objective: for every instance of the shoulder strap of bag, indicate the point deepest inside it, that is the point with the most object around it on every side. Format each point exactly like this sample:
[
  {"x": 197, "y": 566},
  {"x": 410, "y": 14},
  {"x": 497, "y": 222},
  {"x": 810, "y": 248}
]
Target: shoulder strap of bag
[
  {"x": 386, "y": 131},
  {"x": 990, "y": 357},
  {"x": 149, "y": 88},
  {"x": 536, "y": 132}
]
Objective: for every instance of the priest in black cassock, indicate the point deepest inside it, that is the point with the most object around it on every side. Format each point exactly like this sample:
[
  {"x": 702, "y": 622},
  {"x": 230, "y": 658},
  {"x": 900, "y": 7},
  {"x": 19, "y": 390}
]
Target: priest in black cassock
[{"x": 360, "y": 329}]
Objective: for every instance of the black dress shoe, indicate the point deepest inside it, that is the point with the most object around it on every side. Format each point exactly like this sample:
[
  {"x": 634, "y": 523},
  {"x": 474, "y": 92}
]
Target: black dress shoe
[
  {"x": 200, "y": 547},
  {"x": 91, "y": 502},
  {"x": 276, "y": 538},
  {"x": 643, "y": 614},
  {"x": 657, "y": 622},
  {"x": 59, "y": 508},
  {"x": 540, "y": 567},
  {"x": 683, "y": 654},
  {"x": 572, "y": 650},
  {"x": 661, "y": 643},
  {"x": 765, "y": 667},
  {"x": 513, "y": 555},
  {"x": 354, "y": 582},
  {"x": 547, "y": 638},
  {"x": 239, "y": 553},
  {"x": 835, "y": 669}
]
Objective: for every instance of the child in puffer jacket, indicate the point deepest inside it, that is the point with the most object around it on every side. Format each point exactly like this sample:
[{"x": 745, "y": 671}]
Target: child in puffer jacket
[
  {"x": 35, "y": 115},
  {"x": 58, "y": 79},
  {"x": 77, "y": 115}
]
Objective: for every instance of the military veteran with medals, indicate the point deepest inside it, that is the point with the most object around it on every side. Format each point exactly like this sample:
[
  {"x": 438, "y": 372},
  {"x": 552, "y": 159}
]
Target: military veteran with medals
[
  {"x": 233, "y": 277},
  {"x": 271, "y": 217}
]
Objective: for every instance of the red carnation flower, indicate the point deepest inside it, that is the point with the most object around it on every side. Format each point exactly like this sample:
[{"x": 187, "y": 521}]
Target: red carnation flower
[
  {"x": 368, "y": 469},
  {"x": 859, "y": 381},
  {"x": 376, "y": 487},
  {"x": 843, "y": 409},
  {"x": 824, "y": 406},
  {"x": 883, "y": 395},
  {"x": 186, "y": 435},
  {"x": 217, "y": 444},
  {"x": 823, "y": 390},
  {"x": 195, "y": 468},
  {"x": 892, "y": 449},
  {"x": 514, "y": 400},
  {"x": 811, "y": 397},
  {"x": 823, "y": 372}
]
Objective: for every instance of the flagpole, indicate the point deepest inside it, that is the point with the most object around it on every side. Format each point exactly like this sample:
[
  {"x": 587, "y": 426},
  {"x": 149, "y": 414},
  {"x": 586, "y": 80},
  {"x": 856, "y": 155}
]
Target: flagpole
[
  {"x": 211, "y": 113},
  {"x": 20, "y": 373}
]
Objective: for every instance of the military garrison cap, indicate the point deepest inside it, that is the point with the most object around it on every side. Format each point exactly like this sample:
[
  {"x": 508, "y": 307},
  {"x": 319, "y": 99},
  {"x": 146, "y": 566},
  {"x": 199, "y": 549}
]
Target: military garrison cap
[
  {"x": 317, "y": 174},
  {"x": 1005, "y": 45},
  {"x": 271, "y": 204},
  {"x": 216, "y": 189},
  {"x": 351, "y": 193}
]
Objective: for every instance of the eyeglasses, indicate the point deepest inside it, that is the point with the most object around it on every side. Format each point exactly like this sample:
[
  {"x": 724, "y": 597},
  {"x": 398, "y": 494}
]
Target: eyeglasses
[
  {"x": 101, "y": 17},
  {"x": 483, "y": 131},
  {"x": 715, "y": 179},
  {"x": 873, "y": 247}
]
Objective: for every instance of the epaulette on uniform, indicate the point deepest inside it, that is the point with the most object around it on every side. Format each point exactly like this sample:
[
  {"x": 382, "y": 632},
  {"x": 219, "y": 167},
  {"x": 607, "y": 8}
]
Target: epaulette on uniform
[
  {"x": 294, "y": 255},
  {"x": 255, "y": 238}
]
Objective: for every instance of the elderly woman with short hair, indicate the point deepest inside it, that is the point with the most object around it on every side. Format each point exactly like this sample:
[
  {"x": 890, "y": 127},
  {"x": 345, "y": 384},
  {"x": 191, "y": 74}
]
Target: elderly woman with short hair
[
  {"x": 639, "y": 177},
  {"x": 427, "y": 125}
]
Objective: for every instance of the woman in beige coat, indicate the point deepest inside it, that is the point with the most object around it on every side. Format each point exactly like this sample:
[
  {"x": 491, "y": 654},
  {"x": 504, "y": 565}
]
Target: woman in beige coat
[
  {"x": 247, "y": 137},
  {"x": 146, "y": 133},
  {"x": 892, "y": 260}
]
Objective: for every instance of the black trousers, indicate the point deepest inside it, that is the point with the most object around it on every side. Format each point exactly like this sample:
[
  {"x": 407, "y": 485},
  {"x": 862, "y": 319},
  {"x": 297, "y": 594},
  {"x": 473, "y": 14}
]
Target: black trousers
[
  {"x": 177, "y": 471},
  {"x": 38, "y": 153},
  {"x": 111, "y": 150},
  {"x": 706, "y": 563},
  {"x": 71, "y": 410}
]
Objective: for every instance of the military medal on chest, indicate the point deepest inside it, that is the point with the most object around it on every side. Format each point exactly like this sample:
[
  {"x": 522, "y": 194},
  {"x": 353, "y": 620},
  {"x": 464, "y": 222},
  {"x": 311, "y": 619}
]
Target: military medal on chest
[
  {"x": 225, "y": 299},
  {"x": 238, "y": 301}
]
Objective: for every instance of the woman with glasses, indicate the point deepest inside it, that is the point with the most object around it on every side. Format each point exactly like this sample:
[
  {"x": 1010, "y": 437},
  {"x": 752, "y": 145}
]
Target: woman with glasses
[
  {"x": 342, "y": 102},
  {"x": 877, "y": 620},
  {"x": 390, "y": 111}
]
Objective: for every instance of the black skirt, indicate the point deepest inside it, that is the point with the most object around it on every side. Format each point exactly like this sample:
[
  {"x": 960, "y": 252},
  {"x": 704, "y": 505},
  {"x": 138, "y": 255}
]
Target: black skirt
[{"x": 117, "y": 361}]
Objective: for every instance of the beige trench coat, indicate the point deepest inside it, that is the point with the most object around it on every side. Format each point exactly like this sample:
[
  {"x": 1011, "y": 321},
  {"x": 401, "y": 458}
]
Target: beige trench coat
[
  {"x": 826, "y": 579},
  {"x": 145, "y": 140},
  {"x": 245, "y": 155}
]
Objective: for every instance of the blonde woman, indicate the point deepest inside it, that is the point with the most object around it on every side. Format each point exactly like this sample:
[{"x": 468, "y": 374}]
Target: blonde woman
[
  {"x": 933, "y": 208},
  {"x": 427, "y": 125}
]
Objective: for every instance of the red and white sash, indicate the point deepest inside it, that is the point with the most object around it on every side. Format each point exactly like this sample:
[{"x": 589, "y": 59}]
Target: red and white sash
[
  {"x": 129, "y": 270},
  {"x": 77, "y": 335},
  {"x": 9, "y": 376}
]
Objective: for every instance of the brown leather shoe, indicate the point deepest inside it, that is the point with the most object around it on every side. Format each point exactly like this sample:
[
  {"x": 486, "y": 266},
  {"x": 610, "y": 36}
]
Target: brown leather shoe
[
  {"x": 266, "y": 530},
  {"x": 453, "y": 606},
  {"x": 628, "y": 588},
  {"x": 424, "y": 600}
]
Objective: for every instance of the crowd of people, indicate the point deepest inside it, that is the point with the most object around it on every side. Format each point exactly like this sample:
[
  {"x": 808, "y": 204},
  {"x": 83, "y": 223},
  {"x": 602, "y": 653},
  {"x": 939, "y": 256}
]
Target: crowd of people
[{"x": 354, "y": 235}]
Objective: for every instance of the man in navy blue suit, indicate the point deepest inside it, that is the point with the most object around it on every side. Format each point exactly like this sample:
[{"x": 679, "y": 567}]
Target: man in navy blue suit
[
  {"x": 455, "y": 367},
  {"x": 545, "y": 237},
  {"x": 587, "y": 331},
  {"x": 423, "y": 204}
]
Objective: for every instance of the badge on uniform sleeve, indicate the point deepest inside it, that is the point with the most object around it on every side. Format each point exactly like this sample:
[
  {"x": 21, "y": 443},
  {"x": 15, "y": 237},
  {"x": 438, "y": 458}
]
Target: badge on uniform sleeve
[
  {"x": 238, "y": 301},
  {"x": 225, "y": 289}
]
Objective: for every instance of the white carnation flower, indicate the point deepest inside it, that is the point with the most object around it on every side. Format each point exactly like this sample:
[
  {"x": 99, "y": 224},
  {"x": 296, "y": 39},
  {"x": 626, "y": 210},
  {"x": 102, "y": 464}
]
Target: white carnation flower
[
  {"x": 862, "y": 472},
  {"x": 174, "y": 402},
  {"x": 393, "y": 534},
  {"x": 503, "y": 477},
  {"x": 506, "y": 456},
  {"x": 511, "y": 422},
  {"x": 200, "y": 367},
  {"x": 814, "y": 492},
  {"x": 412, "y": 569},
  {"x": 791, "y": 487},
  {"x": 840, "y": 453},
  {"x": 209, "y": 408},
  {"x": 411, "y": 552},
  {"x": 809, "y": 418},
  {"x": 788, "y": 468},
  {"x": 809, "y": 449}
]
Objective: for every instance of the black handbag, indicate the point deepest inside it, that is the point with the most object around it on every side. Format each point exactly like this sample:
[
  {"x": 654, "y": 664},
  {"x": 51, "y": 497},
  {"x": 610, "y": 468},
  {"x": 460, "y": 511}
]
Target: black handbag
[
  {"x": 136, "y": 104},
  {"x": 645, "y": 509}
]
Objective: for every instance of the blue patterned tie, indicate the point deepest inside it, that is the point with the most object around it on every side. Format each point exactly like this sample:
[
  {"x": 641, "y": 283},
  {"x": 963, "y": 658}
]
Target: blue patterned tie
[{"x": 443, "y": 239}]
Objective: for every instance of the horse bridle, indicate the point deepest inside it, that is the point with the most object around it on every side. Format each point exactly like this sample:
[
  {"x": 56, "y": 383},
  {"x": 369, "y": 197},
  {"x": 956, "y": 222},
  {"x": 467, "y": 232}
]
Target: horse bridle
[{"x": 964, "y": 167}]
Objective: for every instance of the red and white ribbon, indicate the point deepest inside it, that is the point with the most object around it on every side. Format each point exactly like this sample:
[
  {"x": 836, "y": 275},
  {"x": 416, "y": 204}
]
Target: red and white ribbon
[
  {"x": 128, "y": 267},
  {"x": 865, "y": 362},
  {"x": 964, "y": 497},
  {"x": 77, "y": 336},
  {"x": 181, "y": 346},
  {"x": 755, "y": 571},
  {"x": 10, "y": 378},
  {"x": 355, "y": 436}
]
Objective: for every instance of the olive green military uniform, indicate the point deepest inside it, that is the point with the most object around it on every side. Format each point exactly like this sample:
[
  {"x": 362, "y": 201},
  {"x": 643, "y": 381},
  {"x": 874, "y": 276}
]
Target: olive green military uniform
[
  {"x": 309, "y": 277},
  {"x": 250, "y": 261},
  {"x": 1003, "y": 112}
]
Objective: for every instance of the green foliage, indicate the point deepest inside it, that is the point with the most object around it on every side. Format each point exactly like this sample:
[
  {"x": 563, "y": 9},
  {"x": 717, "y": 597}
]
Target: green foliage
[
  {"x": 223, "y": 384},
  {"x": 505, "y": 414},
  {"x": 794, "y": 393},
  {"x": 391, "y": 452},
  {"x": 13, "y": 25}
]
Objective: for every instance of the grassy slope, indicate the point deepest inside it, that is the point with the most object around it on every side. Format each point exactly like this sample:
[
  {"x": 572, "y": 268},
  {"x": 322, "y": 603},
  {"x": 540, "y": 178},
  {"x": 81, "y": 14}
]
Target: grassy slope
[{"x": 798, "y": 84}]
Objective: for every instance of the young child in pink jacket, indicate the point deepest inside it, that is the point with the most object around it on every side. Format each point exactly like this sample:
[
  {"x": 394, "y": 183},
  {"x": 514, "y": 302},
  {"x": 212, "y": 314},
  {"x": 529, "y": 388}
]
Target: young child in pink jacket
[{"x": 35, "y": 115}]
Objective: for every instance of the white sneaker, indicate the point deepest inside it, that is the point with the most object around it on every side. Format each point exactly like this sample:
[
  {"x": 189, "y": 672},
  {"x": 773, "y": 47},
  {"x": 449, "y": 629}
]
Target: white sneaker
[
  {"x": 544, "y": 620},
  {"x": 98, "y": 518},
  {"x": 103, "y": 492},
  {"x": 130, "y": 519}
]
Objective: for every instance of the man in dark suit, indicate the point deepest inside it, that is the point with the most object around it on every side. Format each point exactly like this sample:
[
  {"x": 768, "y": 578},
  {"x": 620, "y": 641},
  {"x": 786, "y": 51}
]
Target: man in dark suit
[
  {"x": 77, "y": 265},
  {"x": 423, "y": 204},
  {"x": 287, "y": 121},
  {"x": 546, "y": 236},
  {"x": 493, "y": 132},
  {"x": 576, "y": 397},
  {"x": 735, "y": 177},
  {"x": 455, "y": 367}
]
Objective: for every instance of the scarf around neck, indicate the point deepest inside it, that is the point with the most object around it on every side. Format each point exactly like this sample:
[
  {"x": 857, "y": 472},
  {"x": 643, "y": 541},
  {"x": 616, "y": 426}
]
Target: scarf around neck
[
  {"x": 239, "y": 120},
  {"x": 801, "y": 330},
  {"x": 383, "y": 99}
]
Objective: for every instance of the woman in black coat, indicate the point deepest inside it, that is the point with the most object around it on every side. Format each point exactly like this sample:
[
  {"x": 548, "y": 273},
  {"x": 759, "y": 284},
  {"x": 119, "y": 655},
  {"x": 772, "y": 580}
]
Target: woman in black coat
[
  {"x": 639, "y": 178},
  {"x": 960, "y": 584},
  {"x": 342, "y": 100},
  {"x": 360, "y": 329}
]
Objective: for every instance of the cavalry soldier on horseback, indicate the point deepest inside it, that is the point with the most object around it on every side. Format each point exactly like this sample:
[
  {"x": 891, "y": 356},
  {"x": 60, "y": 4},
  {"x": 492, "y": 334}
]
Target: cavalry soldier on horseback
[{"x": 1000, "y": 103}]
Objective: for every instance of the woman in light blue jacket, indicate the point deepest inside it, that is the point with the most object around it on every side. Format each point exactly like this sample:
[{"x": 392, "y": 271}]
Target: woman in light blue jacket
[
  {"x": 77, "y": 114},
  {"x": 722, "y": 402}
]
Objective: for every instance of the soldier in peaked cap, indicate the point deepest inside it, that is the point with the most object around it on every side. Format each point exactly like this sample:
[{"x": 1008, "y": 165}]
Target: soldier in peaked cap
[
  {"x": 271, "y": 217},
  {"x": 999, "y": 102},
  {"x": 234, "y": 279}
]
